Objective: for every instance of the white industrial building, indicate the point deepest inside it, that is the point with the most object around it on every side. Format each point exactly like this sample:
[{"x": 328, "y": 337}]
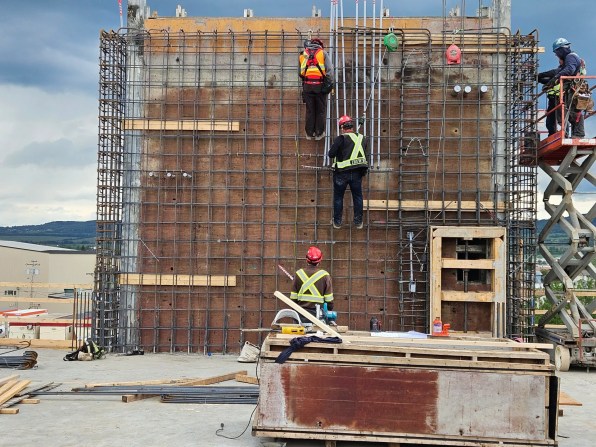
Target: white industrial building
[{"x": 29, "y": 273}]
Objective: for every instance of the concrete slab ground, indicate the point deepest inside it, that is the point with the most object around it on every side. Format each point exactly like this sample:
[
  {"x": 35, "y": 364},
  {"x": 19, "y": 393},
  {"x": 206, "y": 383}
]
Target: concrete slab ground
[{"x": 64, "y": 421}]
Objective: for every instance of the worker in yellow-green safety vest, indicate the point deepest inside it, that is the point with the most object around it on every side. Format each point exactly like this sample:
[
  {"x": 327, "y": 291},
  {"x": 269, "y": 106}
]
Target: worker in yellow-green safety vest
[
  {"x": 312, "y": 285},
  {"x": 349, "y": 153},
  {"x": 552, "y": 96}
]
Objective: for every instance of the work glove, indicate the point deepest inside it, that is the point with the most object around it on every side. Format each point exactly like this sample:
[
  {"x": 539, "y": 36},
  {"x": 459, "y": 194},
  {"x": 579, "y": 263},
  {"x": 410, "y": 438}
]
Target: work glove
[{"x": 550, "y": 84}]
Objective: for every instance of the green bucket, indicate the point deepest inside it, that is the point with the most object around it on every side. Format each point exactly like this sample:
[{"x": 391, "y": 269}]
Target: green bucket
[{"x": 391, "y": 42}]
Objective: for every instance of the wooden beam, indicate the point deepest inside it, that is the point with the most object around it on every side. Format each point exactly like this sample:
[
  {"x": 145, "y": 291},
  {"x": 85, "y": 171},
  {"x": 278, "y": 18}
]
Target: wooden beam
[
  {"x": 469, "y": 232},
  {"x": 21, "y": 299},
  {"x": 181, "y": 125},
  {"x": 306, "y": 314},
  {"x": 45, "y": 285},
  {"x": 128, "y": 398},
  {"x": 8, "y": 379},
  {"x": 16, "y": 388},
  {"x": 9, "y": 411},
  {"x": 566, "y": 399},
  {"x": 215, "y": 379},
  {"x": 142, "y": 382},
  {"x": 150, "y": 279},
  {"x": 247, "y": 379},
  {"x": 476, "y": 297},
  {"x": 433, "y": 205},
  {"x": 483, "y": 264},
  {"x": 36, "y": 343}
]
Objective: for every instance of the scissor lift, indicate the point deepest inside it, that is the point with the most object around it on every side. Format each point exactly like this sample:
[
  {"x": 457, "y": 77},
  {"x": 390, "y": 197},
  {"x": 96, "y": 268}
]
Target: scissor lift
[{"x": 567, "y": 161}]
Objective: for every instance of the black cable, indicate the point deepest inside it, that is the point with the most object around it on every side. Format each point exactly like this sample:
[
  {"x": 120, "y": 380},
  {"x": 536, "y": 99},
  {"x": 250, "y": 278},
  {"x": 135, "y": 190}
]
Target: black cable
[{"x": 219, "y": 430}]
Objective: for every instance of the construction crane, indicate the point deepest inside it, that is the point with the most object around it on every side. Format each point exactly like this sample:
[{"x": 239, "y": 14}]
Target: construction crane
[{"x": 567, "y": 161}]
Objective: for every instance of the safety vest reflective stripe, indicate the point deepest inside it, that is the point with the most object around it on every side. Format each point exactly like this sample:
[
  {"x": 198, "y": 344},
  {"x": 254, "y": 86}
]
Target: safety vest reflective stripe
[
  {"x": 308, "y": 291},
  {"x": 311, "y": 72},
  {"x": 357, "y": 158}
]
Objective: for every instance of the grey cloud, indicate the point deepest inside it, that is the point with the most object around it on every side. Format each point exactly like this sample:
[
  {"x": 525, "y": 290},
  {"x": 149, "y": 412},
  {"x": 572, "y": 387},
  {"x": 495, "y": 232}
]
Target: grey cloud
[{"x": 59, "y": 153}]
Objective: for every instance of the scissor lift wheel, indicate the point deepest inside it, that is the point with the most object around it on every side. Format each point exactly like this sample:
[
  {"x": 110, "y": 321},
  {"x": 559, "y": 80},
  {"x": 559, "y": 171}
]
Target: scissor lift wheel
[{"x": 562, "y": 358}]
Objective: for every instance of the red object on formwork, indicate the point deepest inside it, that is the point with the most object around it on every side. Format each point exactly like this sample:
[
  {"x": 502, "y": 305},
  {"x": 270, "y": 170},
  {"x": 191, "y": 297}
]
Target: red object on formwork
[{"x": 453, "y": 55}]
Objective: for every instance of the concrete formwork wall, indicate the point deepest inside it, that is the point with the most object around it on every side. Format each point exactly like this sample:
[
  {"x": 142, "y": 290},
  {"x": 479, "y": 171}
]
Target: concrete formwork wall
[{"x": 238, "y": 203}]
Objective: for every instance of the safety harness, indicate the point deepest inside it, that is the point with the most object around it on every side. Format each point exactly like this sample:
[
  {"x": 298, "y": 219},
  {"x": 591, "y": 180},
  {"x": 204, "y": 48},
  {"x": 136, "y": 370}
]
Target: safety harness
[{"x": 312, "y": 65}]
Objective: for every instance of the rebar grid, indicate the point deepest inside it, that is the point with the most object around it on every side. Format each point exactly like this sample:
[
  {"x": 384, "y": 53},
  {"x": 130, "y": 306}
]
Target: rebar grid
[
  {"x": 239, "y": 203},
  {"x": 521, "y": 187}
]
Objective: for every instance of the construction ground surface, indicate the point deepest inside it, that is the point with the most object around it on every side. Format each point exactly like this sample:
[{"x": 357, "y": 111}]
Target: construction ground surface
[{"x": 105, "y": 420}]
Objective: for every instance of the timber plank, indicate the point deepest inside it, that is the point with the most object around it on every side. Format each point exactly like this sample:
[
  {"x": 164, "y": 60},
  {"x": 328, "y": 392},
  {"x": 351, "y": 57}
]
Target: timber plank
[
  {"x": 150, "y": 279},
  {"x": 566, "y": 399},
  {"x": 422, "y": 352},
  {"x": 215, "y": 379},
  {"x": 128, "y": 398},
  {"x": 8, "y": 379},
  {"x": 247, "y": 379},
  {"x": 141, "y": 382},
  {"x": 447, "y": 342},
  {"x": 14, "y": 390},
  {"x": 30, "y": 401},
  {"x": 182, "y": 125},
  {"x": 477, "y": 364}
]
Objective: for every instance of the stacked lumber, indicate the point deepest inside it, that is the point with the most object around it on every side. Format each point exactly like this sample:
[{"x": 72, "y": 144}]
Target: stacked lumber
[{"x": 10, "y": 387}]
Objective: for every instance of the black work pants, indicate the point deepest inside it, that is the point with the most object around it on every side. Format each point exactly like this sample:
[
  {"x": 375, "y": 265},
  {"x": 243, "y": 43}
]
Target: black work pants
[
  {"x": 341, "y": 180},
  {"x": 554, "y": 117},
  {"x": 316, "y": 109}
]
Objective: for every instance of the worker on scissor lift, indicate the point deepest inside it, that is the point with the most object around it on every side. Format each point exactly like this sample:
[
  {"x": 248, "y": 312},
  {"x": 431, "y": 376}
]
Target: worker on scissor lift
[{"x": 572, "y": 65}]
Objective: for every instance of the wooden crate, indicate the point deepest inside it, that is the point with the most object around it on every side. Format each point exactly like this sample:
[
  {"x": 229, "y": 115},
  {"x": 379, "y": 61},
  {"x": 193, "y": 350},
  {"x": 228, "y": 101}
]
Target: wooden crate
[{"x": 434, "y": 392}]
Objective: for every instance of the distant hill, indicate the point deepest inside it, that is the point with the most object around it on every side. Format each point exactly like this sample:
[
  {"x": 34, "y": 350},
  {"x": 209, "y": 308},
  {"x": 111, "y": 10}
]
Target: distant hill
[
  {"x": 74, "y": 234},
  {"x": 65, "y": 234}
]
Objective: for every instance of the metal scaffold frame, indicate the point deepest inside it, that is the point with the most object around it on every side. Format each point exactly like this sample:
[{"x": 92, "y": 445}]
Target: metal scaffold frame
[{"x": 206, "y": 185}]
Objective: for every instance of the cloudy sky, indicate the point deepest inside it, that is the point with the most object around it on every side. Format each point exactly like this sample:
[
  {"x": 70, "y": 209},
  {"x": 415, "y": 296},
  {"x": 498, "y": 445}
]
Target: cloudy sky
[{"x": 49, "y": 85}]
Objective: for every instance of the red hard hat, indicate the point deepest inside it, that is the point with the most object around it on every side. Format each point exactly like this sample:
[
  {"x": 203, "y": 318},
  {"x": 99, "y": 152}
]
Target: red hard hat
[
  {"x": 319, "y": 42},
  {"x": 314, "y": 255},
  {"x": 345, "y": 120}
]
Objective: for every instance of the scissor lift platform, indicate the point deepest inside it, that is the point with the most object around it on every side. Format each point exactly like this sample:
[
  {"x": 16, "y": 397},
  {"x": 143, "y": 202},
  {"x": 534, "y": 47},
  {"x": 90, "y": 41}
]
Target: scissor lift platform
[{"x": 555, "y": 148}]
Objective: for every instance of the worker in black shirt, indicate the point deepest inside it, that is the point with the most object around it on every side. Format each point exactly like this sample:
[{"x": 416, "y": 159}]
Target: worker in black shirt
[{"x": 349, "y": 155}]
